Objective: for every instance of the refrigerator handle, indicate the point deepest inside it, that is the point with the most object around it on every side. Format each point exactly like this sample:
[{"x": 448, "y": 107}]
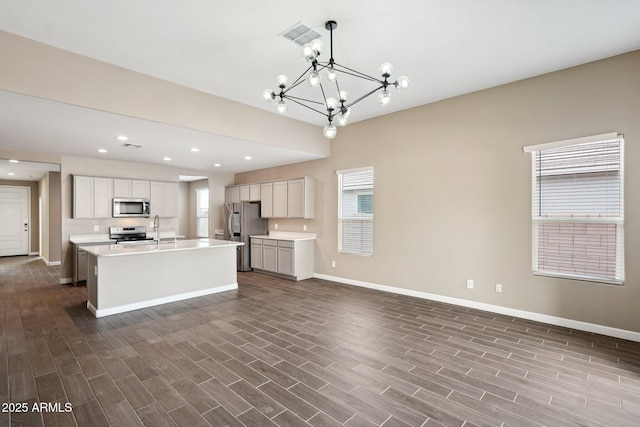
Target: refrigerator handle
[{"x": 229, "y": 220}]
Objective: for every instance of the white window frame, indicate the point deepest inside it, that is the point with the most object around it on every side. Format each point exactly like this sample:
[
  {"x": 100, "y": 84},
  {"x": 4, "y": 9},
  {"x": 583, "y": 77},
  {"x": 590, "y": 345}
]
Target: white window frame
[
  {"x": 199, "y": 216},
  {"x": 360, "y": 217},
  {"x": 578, "y": 219}
]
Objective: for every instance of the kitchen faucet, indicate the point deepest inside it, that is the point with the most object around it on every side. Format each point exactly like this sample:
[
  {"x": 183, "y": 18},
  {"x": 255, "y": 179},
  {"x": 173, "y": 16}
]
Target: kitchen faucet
[{"x": 156, "y": 227}]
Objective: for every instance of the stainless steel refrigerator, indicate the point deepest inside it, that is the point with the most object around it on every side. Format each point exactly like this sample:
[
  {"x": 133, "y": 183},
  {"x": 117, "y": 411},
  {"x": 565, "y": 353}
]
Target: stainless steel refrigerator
[{"x": 242, "y": 220}]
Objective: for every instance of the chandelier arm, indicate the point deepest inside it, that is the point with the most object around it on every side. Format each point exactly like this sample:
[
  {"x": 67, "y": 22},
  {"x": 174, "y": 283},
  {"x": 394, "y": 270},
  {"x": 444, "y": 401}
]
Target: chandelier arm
[
  {"x": 306, "y": 106},
  {"x": 356, "y": 73},
  {"x": 299, "y": 80},
  {"x": 303, "y": 99},
  {"x": 364, "y": 96}
]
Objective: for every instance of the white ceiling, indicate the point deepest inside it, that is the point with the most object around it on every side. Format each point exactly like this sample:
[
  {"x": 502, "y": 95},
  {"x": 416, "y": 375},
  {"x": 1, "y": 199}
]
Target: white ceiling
[{"x": 234, "y": 50}]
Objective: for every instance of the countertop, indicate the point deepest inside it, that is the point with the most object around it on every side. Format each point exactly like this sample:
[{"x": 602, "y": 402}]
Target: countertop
[
  {"x": 91, "y": 238},
  {"x": 287, "y": 235},
  {"x": 99, "y": 239},
  {"x": 171, "y": 246}
]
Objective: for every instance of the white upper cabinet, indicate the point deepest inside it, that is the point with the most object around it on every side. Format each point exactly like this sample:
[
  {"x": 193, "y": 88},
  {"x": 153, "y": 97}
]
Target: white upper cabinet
[
  {"x": 92, "y": 197},
  {"x": 280, "y": 202},
  {"x": 254, "y": 192},
  {"x": 140, "y": 189},
  {"x": 121, "y": 188},
  {"x": 293, "y": 198},
  {"x": 82, "y": 197},
  {"x": 244, "y": 193},
  {"x": 133, "y": 188},
  {"x": 266, "y": 197},
  {"x": 301, "y": 198},
  {"x": 164, "y": 199},
  {"x": 171, "y": 199},
  {"x": 232, "y": 194},
  {"x": 103, "y": 197}
]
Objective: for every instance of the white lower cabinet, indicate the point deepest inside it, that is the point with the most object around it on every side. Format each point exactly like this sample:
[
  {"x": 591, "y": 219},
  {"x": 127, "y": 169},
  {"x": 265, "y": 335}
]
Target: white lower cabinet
[
  {"x": 256, "y": 253},
  {"x": 286, "y": 258},
  {"x": 270, "y": 255},
  {"x": 294, "y": 259}
]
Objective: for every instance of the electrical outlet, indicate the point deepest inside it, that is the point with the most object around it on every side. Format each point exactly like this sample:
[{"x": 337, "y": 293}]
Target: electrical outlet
[
  {"x": 333, "y": 264},
  {"x": 498, "y": 287},
  {"x": 275, "y": 226},
  {"x": 304, "y": 227},
  {"x": 96, "y": 228},
  {"x": 469, "y": 284}
]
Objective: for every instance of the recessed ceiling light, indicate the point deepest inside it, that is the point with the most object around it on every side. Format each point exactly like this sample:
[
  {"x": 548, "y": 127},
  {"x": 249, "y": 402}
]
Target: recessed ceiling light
[
  {"x": 195, "y": 149},
  {"x": 14, "y": 161},
  {"x": 122, "y": 138},
  {"x": 216, "y": 165},
  {"x": 247, "y": 157},
  {"x": 102, "y": 150},
  {"x": 11, "y": 174},
  {"x": 166, "y": 159}
]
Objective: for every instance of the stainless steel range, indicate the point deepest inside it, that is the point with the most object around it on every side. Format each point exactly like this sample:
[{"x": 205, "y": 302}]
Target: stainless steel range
[{"x": 130, "y": 235}]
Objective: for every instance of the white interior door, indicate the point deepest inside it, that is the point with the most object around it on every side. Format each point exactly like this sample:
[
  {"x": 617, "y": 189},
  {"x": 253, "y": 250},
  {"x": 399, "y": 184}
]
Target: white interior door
[{"x": 14, "y": 220}]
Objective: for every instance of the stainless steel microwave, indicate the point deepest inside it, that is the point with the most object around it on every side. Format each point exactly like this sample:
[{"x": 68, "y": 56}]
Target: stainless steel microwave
[{"x": 131, "y": 208}]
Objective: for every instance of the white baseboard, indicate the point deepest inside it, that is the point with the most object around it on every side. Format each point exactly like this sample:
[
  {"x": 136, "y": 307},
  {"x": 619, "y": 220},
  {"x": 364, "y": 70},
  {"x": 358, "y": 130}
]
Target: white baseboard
[
  {"x": 34, "y": 253},
  {"x": 529, "y": 315},
  {"x": 66, "y": 280},
  {"x": 158, "y": 301}
]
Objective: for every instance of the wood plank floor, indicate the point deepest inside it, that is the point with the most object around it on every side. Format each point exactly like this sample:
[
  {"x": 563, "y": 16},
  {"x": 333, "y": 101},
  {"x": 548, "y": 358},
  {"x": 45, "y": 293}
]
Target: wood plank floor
[{"x": 277, "y": 352}]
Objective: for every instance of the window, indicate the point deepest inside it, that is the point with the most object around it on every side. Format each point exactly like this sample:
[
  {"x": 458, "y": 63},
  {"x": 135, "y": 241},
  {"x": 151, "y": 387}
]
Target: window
[
  {"x": 355, "y": 211},
  {"x": 578, "y": 208},
  {"x": 202, "y": 212}
]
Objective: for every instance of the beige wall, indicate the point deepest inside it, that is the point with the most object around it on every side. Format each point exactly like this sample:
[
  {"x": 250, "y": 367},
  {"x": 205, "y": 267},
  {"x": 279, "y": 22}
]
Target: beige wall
[
  {"x": 453, "y": 192},
  {"x": 49, "y": 190},
  {"x": 54, "y": 217},
  {"x": 34, "y": 244}
]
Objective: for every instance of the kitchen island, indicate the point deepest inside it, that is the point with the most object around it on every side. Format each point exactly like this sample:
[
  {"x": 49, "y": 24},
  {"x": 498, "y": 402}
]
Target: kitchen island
[{"x": 125, "y": 278}]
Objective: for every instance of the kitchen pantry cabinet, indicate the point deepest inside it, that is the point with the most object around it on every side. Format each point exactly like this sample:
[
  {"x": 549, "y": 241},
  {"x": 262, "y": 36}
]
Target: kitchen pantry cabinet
[
  {"x": 164, "y": 199},
  {"x": 131, "y": 188},
  {"x": 92, "y": 197},
  {"x": 294, "y": 259}
]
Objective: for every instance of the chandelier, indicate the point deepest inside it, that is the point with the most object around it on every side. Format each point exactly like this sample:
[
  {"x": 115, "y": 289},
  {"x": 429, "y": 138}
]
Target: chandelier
[{"x": 321, "y": 74}]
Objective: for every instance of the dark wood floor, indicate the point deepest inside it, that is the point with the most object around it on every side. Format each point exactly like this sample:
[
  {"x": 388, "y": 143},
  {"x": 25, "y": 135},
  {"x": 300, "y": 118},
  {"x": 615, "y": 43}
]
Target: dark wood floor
[{"x": 316, "y": 353}]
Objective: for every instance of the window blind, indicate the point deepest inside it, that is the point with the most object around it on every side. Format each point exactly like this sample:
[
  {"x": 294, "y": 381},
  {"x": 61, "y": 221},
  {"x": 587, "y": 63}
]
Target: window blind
[
  {"x": 578, "y": 218},
  {"x": 355, "y": 211}
]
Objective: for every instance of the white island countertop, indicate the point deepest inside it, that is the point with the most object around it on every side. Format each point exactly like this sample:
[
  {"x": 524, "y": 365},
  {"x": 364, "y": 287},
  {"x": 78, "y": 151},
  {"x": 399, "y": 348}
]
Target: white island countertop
[
  {"x": 287, "y": 235},
  {"x": 170, "y": 246},
  {"x": 122, "y": 278}
]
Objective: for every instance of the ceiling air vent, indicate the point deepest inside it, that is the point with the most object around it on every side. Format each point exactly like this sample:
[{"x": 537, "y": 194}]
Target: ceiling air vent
[
  {"x": 130, "y": 145},
  {"x": 300, "y": 34}
]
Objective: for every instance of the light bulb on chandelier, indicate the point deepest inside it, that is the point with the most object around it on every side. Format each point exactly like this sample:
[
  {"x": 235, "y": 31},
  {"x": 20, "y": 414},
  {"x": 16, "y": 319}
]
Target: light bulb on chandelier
[{"x": 334, "y": 108}]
